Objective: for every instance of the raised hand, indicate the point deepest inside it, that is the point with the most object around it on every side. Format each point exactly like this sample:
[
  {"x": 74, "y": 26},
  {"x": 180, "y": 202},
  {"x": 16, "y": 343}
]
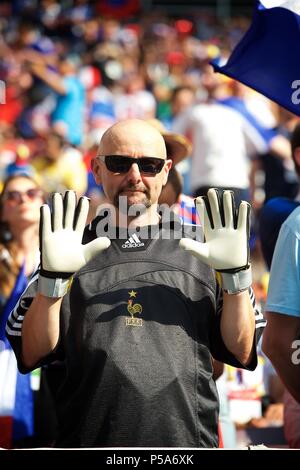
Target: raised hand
[
  {"x": 226, "y": 231},
  {"x": 62, "y": 252}
]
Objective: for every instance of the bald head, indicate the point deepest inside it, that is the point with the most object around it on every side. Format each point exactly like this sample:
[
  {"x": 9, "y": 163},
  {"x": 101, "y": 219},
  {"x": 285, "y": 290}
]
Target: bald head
[{"x": 133, "y": 137}]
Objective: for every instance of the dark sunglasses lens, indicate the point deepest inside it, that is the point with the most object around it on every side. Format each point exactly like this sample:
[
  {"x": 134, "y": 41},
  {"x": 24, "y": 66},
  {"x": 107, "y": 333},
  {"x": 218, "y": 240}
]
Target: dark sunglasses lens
[
  {"x": 147, "y": 165},
  {"x": 151, "y": 165},
  {"x": 118, "y": 164}
]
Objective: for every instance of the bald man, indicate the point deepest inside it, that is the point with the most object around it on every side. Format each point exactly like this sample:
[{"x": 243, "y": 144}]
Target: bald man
[
  {"x": 136, "y": 319},
  {"x": 133, "y": 138}
]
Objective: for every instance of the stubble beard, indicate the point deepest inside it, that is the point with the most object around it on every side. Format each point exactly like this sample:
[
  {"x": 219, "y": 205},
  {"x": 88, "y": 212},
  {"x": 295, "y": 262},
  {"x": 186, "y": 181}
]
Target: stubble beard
[{"x": 122, "y": 204}]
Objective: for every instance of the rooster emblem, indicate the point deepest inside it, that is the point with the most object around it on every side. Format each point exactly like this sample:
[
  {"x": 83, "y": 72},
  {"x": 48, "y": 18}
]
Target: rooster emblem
[{"x": 133, "y": 309}]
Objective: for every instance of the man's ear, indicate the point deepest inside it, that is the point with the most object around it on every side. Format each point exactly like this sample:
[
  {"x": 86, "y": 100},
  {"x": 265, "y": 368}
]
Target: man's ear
[
  {"x": 96, "y": 169},
  {"x": 166, "y": 169}
]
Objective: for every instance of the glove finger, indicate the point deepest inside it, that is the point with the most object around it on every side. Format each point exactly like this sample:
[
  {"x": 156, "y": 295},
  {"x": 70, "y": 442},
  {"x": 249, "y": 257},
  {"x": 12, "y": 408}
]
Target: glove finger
[
  {"x": 200, "y": 250},
  {"x": 243, "y": 223},
  {"x": 213, "y": 197},
  {"x": 69, "y": 209},
  {"x": 203, "y": 211},
  {"x": 94, "y": 247},
  {"x": 81, "y": 214},
  {"x": 228, "y": 203},
  {"x": 57, "y": 211},
  {"x": 45, "y": 221}
]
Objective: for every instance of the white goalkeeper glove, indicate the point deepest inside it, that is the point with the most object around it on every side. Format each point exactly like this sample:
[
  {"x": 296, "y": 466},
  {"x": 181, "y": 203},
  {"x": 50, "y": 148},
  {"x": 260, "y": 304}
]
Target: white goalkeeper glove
[
  {"x": 62, "y": 253},
  {"x": 226, "y": 247}
]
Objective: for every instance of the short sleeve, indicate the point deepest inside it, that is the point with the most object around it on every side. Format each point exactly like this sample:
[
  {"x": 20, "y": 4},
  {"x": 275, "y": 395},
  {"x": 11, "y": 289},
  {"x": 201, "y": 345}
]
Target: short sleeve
[{"x": 284, "y": 285}]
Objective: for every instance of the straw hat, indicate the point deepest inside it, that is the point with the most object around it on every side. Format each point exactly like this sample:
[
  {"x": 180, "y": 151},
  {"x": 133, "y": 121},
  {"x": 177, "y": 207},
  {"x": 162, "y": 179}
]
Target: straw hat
[{"x": 178, "y": 146}]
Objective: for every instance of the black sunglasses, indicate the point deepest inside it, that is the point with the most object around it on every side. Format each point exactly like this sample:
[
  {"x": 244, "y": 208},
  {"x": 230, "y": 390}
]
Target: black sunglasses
[{"x": 122, "y": 164}]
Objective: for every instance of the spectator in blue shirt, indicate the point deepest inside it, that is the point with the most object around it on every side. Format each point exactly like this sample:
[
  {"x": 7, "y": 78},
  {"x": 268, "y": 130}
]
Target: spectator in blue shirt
[{"x": 68, "y": 115}]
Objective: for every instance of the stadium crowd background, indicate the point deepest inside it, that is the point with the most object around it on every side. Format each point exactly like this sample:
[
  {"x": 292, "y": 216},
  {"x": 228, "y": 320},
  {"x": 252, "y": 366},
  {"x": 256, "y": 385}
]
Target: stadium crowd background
[{"x": 116, "y": 63}]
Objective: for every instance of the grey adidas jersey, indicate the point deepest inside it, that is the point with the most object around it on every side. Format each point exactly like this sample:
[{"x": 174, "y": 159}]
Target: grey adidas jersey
[{"x": 138, "y": 329}]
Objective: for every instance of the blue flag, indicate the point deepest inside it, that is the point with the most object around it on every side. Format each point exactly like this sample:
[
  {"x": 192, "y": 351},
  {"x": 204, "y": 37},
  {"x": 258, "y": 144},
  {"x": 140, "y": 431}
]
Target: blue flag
[{"x": 266, "y": 58}]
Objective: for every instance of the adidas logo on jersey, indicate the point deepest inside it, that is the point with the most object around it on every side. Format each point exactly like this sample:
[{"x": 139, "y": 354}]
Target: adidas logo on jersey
[{"x": 133, "y": 242}]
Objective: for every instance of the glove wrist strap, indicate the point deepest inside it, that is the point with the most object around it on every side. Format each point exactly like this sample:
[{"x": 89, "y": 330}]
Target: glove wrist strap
[
  {"x": 53, "y": 287},
  {"x": 233, "y": 283}
]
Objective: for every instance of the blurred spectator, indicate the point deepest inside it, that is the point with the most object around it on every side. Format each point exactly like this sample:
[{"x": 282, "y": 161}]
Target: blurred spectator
[
  {"x": 281, "y": 178},
  {"x": 280, "y": 217},
  {"x": 182, "y": 98},
  {"x": 67, "y": 117},
  {"x": 94, "y": 191},
  {"x": 61, "y": 166},
  {"x": 30, "y": 37},
  {"x": 101, "y": 100},
  {"x": 135, "y": 101},
  {"x": 277, "y": 210},
  {"x": 222, "y": 141},
  {"x": 20, "y": 203},
  {"x": 180, "y": 203},
  {"x": 178, "y": 148}
]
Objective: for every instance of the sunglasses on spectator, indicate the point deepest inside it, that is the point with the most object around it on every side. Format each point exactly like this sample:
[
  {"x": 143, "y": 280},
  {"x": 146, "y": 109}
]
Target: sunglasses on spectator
[
  {"x": 122, "y": 164},
  {"x": 17, "y": 196}
]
